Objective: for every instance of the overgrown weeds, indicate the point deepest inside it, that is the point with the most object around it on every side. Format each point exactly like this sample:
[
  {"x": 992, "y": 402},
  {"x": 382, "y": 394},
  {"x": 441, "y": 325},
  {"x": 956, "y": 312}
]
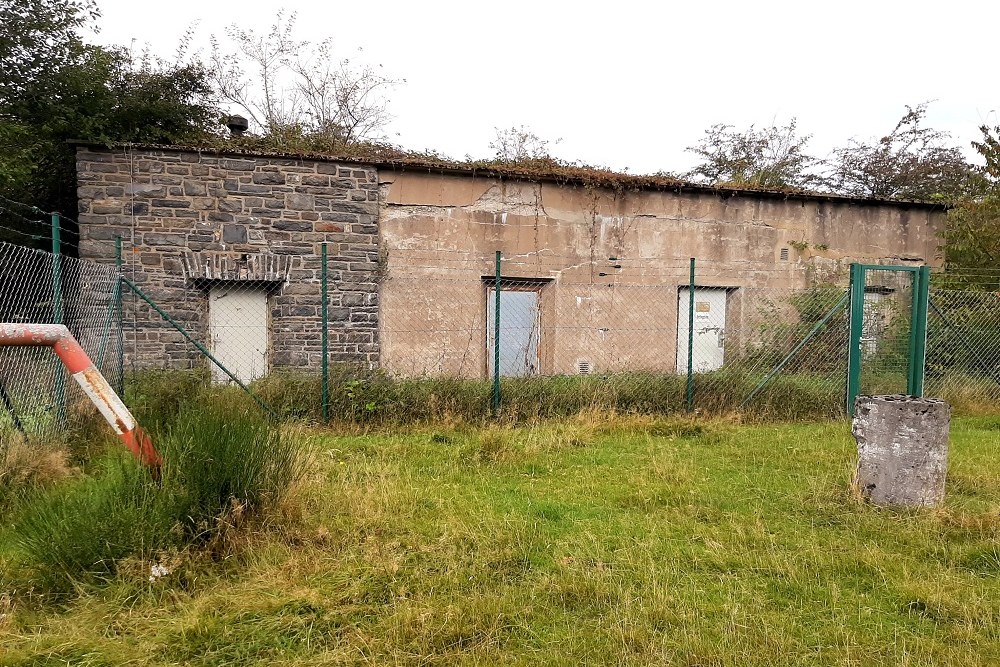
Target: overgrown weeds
[
  {"x": 373, "y": 398},
  {"x": 225, "y": 466},
  {"x": 226, "y": 456}
]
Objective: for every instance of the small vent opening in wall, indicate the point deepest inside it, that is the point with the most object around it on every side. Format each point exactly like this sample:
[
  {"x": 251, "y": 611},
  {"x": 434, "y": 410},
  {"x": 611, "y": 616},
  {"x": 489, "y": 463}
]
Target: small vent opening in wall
[
  {"x": 784, "y": 254},
  {"x": 583, "y": 367}
]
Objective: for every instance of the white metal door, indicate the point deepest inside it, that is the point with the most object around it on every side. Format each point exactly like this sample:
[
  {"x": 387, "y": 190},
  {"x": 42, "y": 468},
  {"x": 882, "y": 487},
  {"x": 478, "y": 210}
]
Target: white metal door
[
  {"x": 237, "y": 323},
  {"x": 519, "y": 328},
  {"x": 709, "y": 343}
]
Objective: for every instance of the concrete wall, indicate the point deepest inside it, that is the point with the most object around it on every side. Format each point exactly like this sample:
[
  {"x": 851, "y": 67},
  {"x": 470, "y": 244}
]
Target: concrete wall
[
  {"x": 193, "y": 220},
  {"x": 440, "y": 233}
]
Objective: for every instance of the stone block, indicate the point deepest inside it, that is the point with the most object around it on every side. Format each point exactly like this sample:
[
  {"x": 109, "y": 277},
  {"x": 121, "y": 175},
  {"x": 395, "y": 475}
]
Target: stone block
[
  {"x": 234, "y": 234},
  {"x": 194, "y": 188},
  {"x": 176, "y": 240},
  {"x": 299, "y": 202},
  {"x": 145, "y": 189},
  {"x": 269, "y": 178},
  {"x": 328, "y": 227},
  {"x": 171, "y": 203},
  {"x": 902, "y": 449},
  {"x": 293, "y": 226},
  {"x": 238, "y": 165},
  {"x": 316, "y": 180},
  {"x": 107, "y": 208}
]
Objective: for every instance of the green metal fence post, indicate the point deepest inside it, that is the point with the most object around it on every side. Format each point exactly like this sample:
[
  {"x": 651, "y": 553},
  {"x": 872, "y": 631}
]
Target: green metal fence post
[
  {"x": 201, "y": 348},
  {"x": 690, "y": 341},
  {"x": 914, "y": 315},
  {"x": 57, "y": 311},
  {"x": 496, "y": 340},
  {"x": 857, "y": 292},
  {"x": 120, "y": 375},
  {"x": 326, "y": 334},
  {"x": 918, "y": 331}
]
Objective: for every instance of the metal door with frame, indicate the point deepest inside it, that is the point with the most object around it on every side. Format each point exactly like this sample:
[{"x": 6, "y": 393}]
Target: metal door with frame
[
  {"x": 708, "y": 345},
  {"x": 520, "y": 328},
  {"x": 238, "y": 330}
]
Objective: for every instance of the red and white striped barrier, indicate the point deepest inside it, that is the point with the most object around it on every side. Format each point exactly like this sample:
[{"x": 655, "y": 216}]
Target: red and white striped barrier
[{"x": 90, "y": 379}]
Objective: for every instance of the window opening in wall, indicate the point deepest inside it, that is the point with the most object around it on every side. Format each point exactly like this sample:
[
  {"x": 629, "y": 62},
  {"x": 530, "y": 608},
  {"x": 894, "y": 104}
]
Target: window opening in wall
[{"x": 784, "y": 254}]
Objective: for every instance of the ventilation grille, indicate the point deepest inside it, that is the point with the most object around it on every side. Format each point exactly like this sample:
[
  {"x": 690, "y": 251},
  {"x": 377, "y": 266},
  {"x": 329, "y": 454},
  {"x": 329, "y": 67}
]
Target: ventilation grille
[
  {"x": 784, "y": 254},
  {"x": 583, "y": 367}
]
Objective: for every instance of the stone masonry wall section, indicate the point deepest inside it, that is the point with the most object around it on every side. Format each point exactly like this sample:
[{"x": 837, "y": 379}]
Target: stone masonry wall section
[{"x": 191, "y": 220}]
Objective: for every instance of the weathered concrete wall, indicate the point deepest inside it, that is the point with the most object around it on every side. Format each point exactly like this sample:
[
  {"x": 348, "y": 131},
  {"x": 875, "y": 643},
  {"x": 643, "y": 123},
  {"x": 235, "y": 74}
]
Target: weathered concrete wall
[
  {"x": 191, "y": 220},
  {"x": 440, "y": 233}
]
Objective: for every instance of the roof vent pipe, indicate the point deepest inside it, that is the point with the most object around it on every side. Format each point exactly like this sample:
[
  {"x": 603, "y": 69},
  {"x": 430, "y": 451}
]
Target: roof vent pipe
[{"x": 237, "y": 125}]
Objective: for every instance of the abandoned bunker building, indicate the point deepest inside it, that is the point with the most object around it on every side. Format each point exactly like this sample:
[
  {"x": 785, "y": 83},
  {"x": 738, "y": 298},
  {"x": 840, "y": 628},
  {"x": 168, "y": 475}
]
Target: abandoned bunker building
[{"x": 594, "y": 273}]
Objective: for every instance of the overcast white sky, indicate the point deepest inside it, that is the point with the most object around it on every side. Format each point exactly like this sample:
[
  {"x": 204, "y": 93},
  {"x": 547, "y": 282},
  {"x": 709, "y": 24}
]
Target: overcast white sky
[{"x": 630, "y": 84}]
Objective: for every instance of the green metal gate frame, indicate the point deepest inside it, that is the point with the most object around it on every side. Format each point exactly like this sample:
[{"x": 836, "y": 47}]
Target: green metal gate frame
[{"x": 917, "y": 356}]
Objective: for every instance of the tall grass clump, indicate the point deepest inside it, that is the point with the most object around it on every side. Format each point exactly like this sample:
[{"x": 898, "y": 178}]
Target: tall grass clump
[
  {"x": 226, "y": 453},
  {"x": 223, "y": 460},
  {"x": 25, "y": 470},
  {"x": 156, "y": 397},
  {"x": 78, "y": 531}
]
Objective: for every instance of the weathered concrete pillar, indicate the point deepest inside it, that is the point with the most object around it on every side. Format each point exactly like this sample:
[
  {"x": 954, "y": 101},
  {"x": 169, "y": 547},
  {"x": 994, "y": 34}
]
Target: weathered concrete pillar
[{"x": 902, "y": 449}]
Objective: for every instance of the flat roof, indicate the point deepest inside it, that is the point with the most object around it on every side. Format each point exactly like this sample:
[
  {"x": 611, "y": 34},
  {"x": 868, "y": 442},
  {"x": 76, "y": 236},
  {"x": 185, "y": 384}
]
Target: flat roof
[{"x": 539, "y": 171}]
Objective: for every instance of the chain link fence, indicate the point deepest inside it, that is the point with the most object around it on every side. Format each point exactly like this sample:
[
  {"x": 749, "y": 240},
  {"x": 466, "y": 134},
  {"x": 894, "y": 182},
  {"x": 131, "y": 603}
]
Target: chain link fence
[
  {"x": 37, "y": 399},
  {"x": 963, "y": 340},
  {"x": 564, "y": 346},
  {"x": 423, "y": 344}
]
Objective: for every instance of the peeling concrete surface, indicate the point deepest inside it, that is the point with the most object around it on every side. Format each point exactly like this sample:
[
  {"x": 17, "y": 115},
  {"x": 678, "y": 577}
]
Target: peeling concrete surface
[{"x": 440, "y": 233}]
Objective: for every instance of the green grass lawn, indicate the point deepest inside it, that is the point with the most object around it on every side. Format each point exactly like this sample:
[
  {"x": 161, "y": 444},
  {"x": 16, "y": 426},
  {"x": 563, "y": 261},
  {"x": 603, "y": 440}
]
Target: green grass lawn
[{"x": 577, "y": 543}]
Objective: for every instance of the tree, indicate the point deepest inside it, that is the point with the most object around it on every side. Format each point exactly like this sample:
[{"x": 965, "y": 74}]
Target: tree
[
  {"x": 972, "y": 233},
  {"x": 911, "y": 162},
  {"x": 769, "y": 157},
  {"x": 56, "y": 88},
  {"x": 289, "y": 86},
  {"x": 39, "y": 36},
  {"x": 519, "y": 144}
]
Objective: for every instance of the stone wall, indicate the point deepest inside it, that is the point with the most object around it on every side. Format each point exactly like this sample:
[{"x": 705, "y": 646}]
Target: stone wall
[{"x": 190, "y": 221}]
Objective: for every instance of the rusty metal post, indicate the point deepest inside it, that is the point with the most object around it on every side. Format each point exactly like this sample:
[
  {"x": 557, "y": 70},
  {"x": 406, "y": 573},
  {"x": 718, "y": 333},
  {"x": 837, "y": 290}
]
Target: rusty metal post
[{"x": 90, "y": 379}]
